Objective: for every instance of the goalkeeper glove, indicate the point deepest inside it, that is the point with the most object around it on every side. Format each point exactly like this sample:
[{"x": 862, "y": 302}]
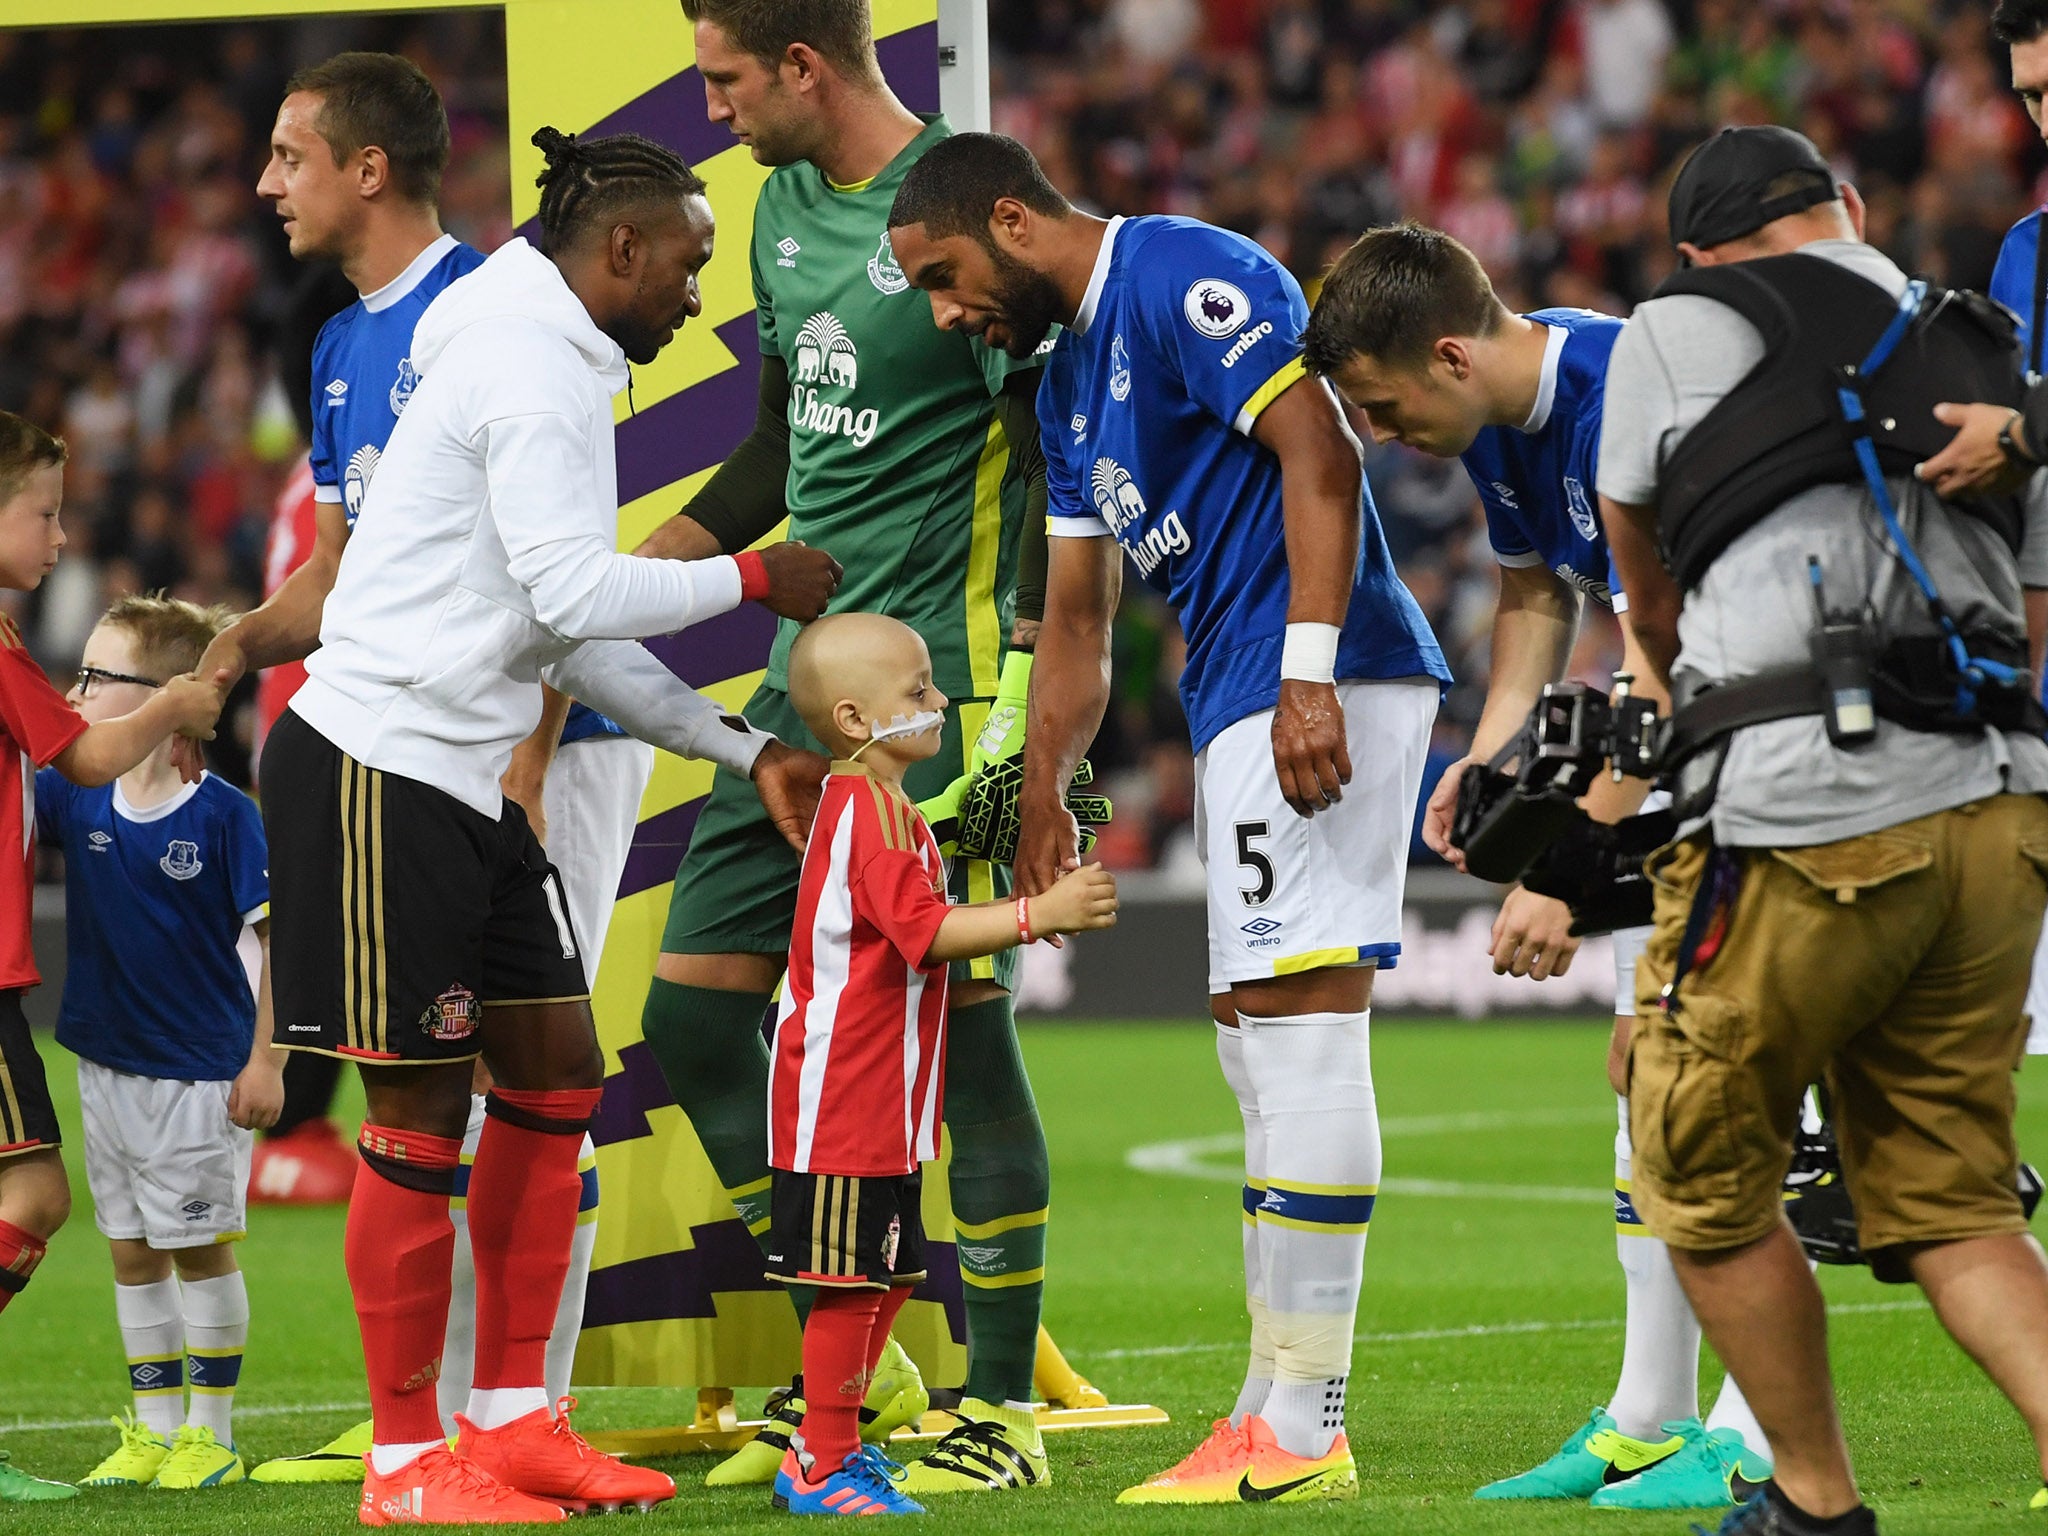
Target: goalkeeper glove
[{"x": 978, "y": 814}]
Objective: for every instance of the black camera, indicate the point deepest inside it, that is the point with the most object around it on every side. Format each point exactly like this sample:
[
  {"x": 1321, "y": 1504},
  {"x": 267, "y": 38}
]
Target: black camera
[{"x": 1513, "y": 808}]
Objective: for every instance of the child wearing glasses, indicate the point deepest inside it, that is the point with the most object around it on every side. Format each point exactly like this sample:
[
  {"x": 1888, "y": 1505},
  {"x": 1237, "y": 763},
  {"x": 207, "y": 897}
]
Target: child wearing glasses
[
  {"x": 37, "y": 727},
  {"x": 167, "y": 886}
]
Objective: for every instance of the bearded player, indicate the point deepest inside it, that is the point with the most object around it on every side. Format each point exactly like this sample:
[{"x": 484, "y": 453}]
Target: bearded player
[
  {"x": 913, "y": 457},
  {"x": 1180, "y": 429}
]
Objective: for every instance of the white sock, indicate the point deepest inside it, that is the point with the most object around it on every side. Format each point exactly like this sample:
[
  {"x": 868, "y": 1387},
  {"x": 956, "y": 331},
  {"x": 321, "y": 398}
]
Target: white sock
[
  {"x": 458, "y": 1349},
  {"x": 387, "y": 1459},
  {"x": 495, "y": 1407},
  {"x": 153, "y": 1333},
  {"x": 1320, "y": 1403},
  {"x": 1660, "y": 1352},
  {"x": 561, "y": 1356},
  {"x": 1731, "y": 1411},
  {"x": 1258, "y": 1374},
  {"x": 216, "y": 1333},
  {"x": 1311, "y": 1075}
]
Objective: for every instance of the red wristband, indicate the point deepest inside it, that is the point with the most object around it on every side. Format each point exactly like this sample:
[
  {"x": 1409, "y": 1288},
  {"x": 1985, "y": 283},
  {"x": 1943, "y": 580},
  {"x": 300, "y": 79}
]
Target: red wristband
[
  {"x": 1024, "y": 935},
  {"x": 753, "y": 575}
]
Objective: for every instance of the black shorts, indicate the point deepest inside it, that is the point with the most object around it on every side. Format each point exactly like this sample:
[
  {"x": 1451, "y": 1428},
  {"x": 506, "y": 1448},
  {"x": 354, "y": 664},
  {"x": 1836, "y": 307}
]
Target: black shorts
[
  {"x": 397, "y": 912},
  {"x": 834, "y": 1229},
  {"x": 28, "y": 1120}
]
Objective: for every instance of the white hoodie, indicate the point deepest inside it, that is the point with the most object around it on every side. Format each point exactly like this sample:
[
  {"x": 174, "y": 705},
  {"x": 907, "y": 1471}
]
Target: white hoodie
[{"x": 485, "y": 555}]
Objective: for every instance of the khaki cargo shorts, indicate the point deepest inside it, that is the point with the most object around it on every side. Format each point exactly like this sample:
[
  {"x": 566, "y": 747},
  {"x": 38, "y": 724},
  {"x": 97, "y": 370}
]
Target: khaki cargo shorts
[{"x": 1893, "y": 967}]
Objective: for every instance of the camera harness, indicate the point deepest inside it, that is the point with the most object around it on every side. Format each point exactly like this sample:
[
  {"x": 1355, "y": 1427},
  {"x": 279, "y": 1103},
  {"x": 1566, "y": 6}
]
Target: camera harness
[{"x": 1953, "y": 679}]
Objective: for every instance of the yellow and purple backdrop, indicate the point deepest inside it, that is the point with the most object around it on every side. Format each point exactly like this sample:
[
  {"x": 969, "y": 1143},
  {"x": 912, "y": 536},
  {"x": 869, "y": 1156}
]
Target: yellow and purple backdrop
[{"x": 676, "y": 1292}]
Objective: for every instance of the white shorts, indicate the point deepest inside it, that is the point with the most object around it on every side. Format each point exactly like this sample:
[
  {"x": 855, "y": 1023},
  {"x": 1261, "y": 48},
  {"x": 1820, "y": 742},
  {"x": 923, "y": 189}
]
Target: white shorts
[
  {"x": 1629, "y": 942},
  {"x": 163, "y": 1161},
  {"x": 592, "y": 799},
  {"x": 1289, "y": 893}
]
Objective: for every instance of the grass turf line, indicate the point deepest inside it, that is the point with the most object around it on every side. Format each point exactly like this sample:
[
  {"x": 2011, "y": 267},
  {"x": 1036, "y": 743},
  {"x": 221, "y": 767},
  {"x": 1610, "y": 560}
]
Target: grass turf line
[{"x": 1145, "y": 1297}]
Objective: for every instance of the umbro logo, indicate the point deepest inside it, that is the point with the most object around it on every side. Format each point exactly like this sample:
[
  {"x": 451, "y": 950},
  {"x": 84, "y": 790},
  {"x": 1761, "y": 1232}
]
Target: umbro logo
[
  {"x": 1259, "y": 927},
  {"x": 788, "y": 248},
  {"x": 1079, "y": 427},
  {"x": 196, "y": 1209},
  {"x": 99, "y": 840},
  {"x": 336, "y": 391}
]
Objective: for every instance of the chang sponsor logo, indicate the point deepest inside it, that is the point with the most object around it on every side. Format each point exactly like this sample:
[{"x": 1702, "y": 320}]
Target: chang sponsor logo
[
  {"x": 1122, "y": 506},
  {"x": 1597, "y": 590},
  {"x": 827, "y": 358},
  {"x": 825, "y": 354},
  {"x": 810, "y": 411},
  {"x": 1117, "y": 496},
  {"x": 355, "y": 480}
]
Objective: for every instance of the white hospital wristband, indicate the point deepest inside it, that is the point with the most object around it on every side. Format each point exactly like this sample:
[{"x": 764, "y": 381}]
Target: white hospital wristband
[{"x": 1309, "y": 653}]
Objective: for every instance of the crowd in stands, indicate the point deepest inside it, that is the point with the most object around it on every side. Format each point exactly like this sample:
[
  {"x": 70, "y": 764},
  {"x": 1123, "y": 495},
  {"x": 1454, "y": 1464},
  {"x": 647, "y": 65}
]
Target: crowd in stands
[
  {"x": 1543, "y": 134},
  {"x": 143, "y": 287}
]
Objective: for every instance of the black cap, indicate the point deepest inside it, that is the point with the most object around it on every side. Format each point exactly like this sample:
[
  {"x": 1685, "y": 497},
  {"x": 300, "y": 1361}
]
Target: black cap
[{"x": 1719, "y": 192}]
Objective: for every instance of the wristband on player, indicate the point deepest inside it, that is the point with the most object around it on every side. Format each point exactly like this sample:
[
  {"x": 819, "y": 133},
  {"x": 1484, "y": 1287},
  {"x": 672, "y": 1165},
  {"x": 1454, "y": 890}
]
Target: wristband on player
[
  {"x": 753, "y": 575},
  {"x": 1024, "y": 934},
  {"x": 1309, "y": 653}
]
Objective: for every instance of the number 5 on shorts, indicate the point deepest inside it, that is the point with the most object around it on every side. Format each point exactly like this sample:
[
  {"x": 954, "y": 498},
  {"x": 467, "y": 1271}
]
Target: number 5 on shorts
[{"x": 1252, "y": 859}]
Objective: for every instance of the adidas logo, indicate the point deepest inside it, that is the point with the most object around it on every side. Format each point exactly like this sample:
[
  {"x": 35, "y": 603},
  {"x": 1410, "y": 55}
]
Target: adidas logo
[
  {"x": 407, "y": 1506},
  {"x": 425, "y": 1376}
]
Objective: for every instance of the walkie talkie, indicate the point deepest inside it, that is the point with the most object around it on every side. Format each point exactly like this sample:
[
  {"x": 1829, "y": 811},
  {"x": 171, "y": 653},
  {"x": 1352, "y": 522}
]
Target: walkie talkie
[{"x": 1843, "y": 656}]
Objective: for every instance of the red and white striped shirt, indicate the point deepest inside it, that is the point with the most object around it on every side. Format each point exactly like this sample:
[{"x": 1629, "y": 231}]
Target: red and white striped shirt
[
  {"x": 35, "y": 726},
  {"x": 859, "y": 1059}
]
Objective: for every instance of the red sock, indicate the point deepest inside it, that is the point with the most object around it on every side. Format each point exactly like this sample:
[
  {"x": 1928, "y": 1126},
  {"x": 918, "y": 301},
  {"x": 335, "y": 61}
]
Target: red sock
[
  {"x": 523, "y": 1193},
  {"x": 20, "y": 1253},
  {"x": 885, "y": 1319},
  {"x": 399, "y": 1250},
  {"x": 836, "y": 1363}
]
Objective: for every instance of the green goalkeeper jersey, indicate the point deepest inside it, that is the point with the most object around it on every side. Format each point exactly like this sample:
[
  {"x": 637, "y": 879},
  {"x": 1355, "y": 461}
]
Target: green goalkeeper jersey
[{"x": 898, "y": 465}]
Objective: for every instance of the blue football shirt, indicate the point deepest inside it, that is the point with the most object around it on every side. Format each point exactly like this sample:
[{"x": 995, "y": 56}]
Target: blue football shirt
[
  {"x": 2012, "y": 278},
  {"x": 1536, "y": 481},
  {"x": 154, "y": 904},
  {"x": 363, "y": 376},
  {"x": 1146, "y": 410}
]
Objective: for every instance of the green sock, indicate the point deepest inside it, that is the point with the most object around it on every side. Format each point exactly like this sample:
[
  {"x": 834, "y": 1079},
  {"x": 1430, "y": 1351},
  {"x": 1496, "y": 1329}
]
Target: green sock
[
  {"x": 1000, "y": 1186},
  {"x": 709, "y": 1047}
]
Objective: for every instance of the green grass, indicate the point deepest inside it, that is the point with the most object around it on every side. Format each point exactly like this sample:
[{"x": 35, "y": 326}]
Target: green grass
[{"x": 1146, "y": 1299}]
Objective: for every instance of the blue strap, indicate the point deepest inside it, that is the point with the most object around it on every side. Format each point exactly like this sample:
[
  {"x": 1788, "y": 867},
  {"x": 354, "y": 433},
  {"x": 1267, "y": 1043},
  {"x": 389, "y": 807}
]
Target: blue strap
[{"x": 1975, "y": 670}]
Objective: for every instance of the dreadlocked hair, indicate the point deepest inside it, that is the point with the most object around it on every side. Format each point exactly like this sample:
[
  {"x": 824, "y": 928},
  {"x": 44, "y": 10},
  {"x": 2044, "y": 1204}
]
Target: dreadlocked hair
[{"x": 590, "y": 182}]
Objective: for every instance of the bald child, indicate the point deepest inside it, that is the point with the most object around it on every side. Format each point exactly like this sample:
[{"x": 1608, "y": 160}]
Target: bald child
[{"x": 856, "y": 1078}]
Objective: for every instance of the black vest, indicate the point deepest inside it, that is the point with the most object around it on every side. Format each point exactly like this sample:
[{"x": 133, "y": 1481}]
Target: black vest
[{"x": 1781, "y": 430}]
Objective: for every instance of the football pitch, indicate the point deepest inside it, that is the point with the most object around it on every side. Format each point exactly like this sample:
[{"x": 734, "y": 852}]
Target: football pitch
[{"x": 1490, "y": 1326}]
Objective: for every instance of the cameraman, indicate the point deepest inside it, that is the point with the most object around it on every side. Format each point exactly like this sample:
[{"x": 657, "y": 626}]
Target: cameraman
[{"x": 1859, "y": 899}]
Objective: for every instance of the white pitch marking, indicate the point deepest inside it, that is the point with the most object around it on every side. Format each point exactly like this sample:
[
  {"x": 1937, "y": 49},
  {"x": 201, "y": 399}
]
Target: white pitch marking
[
  {"x": 1187, "y": 1158},
  {"x": 261, "y": 1411},
  {"x": 1473, "y": 1331}
]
